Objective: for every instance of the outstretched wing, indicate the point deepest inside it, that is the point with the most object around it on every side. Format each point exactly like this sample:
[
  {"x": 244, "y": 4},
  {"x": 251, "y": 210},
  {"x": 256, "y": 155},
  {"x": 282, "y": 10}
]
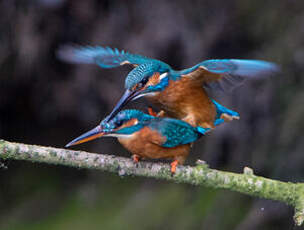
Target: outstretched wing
[
  {"x": 226, "y": 74},
  {"x": 105, "y": 57}
]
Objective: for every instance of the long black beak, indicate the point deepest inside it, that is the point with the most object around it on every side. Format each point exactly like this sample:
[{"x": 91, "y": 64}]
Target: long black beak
[
  {"x": 90, "y": 135},
  {"x": 126, "y": 97}
]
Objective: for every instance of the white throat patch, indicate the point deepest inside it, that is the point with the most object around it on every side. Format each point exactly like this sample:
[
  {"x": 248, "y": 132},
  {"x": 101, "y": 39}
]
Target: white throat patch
[
  {"x": 145, "y": 94},
  {"x": 118, "y": 135},
  {"x": 163, "y": 75}
]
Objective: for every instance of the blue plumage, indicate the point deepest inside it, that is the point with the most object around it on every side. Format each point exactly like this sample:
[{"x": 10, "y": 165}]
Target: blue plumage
[
  {"x": 229, "y": 73},
  {"x": 128, "y": 114},
  {"x": 160, "y": 86},
  {"x": 233, "y": 71},
  {"x": 223, "y": 110},
  {"x": 129, "y": 130},
  {"x": 105, "y": 57},
  {"x": 214, "y": 74},
  {"x": 179, "y": 94},
  {"x": 141, "y": 72},
  {"x": 217, "y": 122},
  {"x": 219, "y": 66},
  {"x": 147, "y": 136},
  {"x": 250, "y": 68},
  {"x": 176, "y": 132},
  {"x": 123, "y": 116},
  {"x": 241, "y": 67}
]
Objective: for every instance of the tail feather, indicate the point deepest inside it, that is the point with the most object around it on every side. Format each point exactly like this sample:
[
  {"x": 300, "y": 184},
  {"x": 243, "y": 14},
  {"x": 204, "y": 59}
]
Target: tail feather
[
  {"x": 221, "y": 110},
  {"x": 202, "y": 130}
]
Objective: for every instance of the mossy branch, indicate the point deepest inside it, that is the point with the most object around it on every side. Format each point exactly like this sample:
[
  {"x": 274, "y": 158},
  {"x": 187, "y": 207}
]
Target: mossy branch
[{"x": 246, "y": 182}]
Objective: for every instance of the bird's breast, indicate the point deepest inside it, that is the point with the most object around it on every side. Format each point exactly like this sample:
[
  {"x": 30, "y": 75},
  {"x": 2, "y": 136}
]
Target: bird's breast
[
  {"x": 147, "y": 144},
  {"x": 186, "y": 99}
]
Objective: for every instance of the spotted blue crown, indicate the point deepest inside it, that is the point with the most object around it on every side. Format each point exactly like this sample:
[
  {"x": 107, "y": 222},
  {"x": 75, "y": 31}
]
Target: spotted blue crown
[
  {"x": 123, "y": 116},
  {"x": 139, "y": 73}
]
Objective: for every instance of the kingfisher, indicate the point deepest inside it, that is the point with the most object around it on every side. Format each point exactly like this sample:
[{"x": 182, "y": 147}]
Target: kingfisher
[
  {"x": 147, "y": 136},
  {"x": 180, "y": 94}
]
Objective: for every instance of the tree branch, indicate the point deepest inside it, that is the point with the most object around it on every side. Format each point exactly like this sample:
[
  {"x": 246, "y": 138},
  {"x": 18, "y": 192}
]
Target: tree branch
[{"x": 246, "y": 182}]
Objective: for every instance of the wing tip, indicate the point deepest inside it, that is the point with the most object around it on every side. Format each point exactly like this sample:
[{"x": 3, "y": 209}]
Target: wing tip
[
  {"x": 78, "y": 54},
  {"x": 67, "y": 53},
  {"x": 255, "y": 67},
  {"x": 202, "y": 130}
]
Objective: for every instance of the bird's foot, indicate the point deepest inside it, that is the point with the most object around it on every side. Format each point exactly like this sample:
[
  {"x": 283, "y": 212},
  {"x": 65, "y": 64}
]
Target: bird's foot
[
  {"x": 161, "y": 113},
  {"x": 151, "y": 112},
  {"x": 173, "y": 167},
  {"x": 135, "y": 158}
]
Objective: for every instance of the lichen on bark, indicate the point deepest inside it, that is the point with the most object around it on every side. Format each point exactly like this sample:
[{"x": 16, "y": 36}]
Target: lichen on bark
[{"x": 246, "y": 182}]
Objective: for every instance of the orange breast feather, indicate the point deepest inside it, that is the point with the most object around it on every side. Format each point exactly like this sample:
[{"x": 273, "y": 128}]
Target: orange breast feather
[
  {"x": 147, "y": 144},
  {"x": 186, "y": 99}
]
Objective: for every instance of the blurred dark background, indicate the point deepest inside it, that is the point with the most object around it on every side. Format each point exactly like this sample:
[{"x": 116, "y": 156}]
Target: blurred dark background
[{"x": 44, "y": 101}]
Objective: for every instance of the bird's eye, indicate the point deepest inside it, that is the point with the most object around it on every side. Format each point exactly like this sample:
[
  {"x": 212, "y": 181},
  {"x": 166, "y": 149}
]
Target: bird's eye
[
  {"x": 145, "y": 80},
  {"x": 142, "y": 83}
]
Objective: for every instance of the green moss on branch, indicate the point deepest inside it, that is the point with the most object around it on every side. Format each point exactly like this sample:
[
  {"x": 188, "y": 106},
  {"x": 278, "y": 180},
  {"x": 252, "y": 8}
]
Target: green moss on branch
[{"x": 246, "y": 182}]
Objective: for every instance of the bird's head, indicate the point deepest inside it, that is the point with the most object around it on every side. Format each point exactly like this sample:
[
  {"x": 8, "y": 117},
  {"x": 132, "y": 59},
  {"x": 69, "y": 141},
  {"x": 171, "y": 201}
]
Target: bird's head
[
  {"x": 124, "y": 124},
  {"x": 147, "y": 79}
]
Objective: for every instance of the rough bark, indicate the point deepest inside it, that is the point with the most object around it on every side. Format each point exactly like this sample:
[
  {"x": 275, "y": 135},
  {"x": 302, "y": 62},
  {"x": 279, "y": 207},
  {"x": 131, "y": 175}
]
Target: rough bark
[{"x": 246, "y": 182}]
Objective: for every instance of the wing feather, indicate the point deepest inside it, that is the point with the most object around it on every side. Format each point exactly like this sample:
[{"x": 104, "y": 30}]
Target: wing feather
[
  {"x": 105, "y": 57},
  {"x": 175, "y": 132},
  {"x": 226, "y": 74}
]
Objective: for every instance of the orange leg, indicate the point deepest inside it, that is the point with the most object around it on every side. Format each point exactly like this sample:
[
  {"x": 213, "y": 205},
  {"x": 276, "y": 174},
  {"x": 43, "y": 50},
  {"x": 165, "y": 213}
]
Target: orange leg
[
  {"x": 135, "y": 158},
  {"x": 151, "y": 112},
  {"x": 173, "y": 166},
  {"x": 178, "y": 160}
]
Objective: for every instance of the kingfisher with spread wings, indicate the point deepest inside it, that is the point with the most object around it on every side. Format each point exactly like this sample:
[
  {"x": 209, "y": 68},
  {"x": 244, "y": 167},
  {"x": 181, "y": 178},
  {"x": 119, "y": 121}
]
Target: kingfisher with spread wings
[{"x": 180, "y": 94}]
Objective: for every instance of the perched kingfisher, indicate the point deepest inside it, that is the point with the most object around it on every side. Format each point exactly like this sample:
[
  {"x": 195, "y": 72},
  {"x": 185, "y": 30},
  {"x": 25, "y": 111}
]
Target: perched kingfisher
[
  {"x": 147, "y": 136},
  {"x": 181, "y": 94}
]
